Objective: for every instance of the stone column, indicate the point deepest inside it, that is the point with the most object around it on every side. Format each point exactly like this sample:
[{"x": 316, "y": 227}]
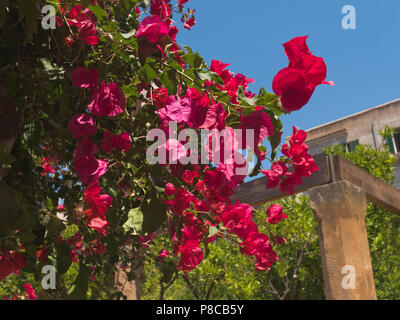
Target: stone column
[
  {"x": 131, "y": 289},
  {"x": 339, "y": 208}
]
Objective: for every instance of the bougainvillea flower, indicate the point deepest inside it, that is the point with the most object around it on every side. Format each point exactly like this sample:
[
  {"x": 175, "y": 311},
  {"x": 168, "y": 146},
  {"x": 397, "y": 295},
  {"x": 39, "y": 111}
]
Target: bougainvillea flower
[
  {"x": 99, "y": 248},
  {"x": 189, "y": 176},
  {"x": 169, "y": 189},
  {"x": 181, "y": 202},
  {"x": 193, "y": 228},
  {"x": 296, "y": 83},
  {"x": 278, "y": 169},
  {"x": 153, "y": 28},
  {"x": 46, "y": 166},
  {"x": 189, "y": 23},
  {"x": 160, "y": 97},
  {"x": 96, "y": 202},
  {"x": 295, "y": 49},
  {"x": 69, "y": 41},
  {"x": 30, "y": 292},
  {"x": 275, "y": 214},
  {"x": 11, "y": 262},
  {"x": 87, "y": 33},
  {"x": 261, "y": 127},
  {"x": 235, "y": 169},
  {"x": 171, "y": 151},
  {"x": 82, "y": 125},
  {"x": 84, "y": 78},
  {"x": 160, "y": 8},
  {"x": 237, "y": 217},
  {"x": 42, "y": 255},
  {"x": 146, "y": 240},
  {"x": 218, "y": 66},
  {"x": 163, "y": 254},
  {"x": 88, "y": 168},
  {"x": 257, "y": 244},
  {"x": 85, "y": 23},
  {"x": 111, "y": 141},
  {"x": 191, "y": 256},
  {"x": 199, "y": 99},
  {"x": 181, "y": 3},
  {"x": 108, "y": 101},
  {"x": 178, "y": 109},
  {"x": 77, "y": 16},
  {"x": 99, "y": 224},
  {"x": 215, "y": 117}
]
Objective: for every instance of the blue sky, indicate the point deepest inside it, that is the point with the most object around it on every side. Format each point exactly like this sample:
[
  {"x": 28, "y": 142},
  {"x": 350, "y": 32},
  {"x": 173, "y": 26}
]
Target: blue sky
[{"x": 363, "y": 63}]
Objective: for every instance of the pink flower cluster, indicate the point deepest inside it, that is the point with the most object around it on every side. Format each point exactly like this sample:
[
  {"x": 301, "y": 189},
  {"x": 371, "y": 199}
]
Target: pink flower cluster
[
  {"x": 97, "y": 205},
  {"x": 231, "y": 81},
  {"x": 85, "y": 23},
  {"x": 303, "y": 164},
  {"x": 47, "y": 167},
  {"x": 158, "y": 31},
  {"x": 11, "y": 262},
  {"x": 107, "y": 100},
  {"x": 215, "y": 191}
]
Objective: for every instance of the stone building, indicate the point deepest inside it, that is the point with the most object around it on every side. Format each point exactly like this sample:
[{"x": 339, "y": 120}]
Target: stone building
[{"x": 360, "y": 128}]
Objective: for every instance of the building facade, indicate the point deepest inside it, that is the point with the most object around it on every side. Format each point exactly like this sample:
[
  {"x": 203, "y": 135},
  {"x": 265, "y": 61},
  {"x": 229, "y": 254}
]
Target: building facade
[{"x": 360, "y": 128}]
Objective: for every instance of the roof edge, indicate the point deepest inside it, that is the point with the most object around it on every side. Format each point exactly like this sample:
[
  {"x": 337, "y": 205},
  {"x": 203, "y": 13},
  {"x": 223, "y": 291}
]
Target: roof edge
[{"x": 354, "y": 114}]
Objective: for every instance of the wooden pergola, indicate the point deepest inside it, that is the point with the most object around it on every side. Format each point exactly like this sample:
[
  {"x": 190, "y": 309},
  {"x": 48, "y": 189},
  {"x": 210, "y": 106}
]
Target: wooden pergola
[{"x": 339, "y": 192}]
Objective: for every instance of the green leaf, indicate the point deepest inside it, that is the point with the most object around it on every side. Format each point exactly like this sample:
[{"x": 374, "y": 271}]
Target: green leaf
[
  {"x": 50, "y": 204},
  {"x": 256, "y": 170},
  {"x": 264, "y": 98},
  {"x": 3, "y": 11},
  {"x": 81, "y": 283},
  {"x": 5, "y": 157},
  {"x": 29, "y": 14},
  {"x": 168, "y": 79},
  {"x": 64, "y": 259},
  {"x": 149, "y": 69},
  {"x": 168, "y": 270},
  {"x": 154, "y": 214},
  {"x": 134, "y": 223},
  {"x": 193, "y": 59},
  {"x": 12, "y": 83},
  {"x": 212, "y": 231},
  {"x": 98, "y": 12},
  {"x": 55, "y": 227},
  {"x": 275, "y": 140},
  {"x": 10, "y": 211},
  {"x": 245, "y": 100},
  {"x": 204, "y": 75},
  {"x": 32, "y": 133}
]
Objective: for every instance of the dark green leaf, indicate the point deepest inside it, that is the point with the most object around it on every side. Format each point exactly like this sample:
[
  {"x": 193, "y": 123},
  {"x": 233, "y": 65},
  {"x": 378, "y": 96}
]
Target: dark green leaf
[
  {"x": 154, "y": 214},
  {"x": 5, "y": 157},
  {"x": 81, "y": 283},
  {"x": 64, "y": 259}
]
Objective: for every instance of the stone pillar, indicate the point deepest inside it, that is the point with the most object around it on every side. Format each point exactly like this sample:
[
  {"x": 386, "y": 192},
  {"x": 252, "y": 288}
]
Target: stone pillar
[{"x": 339, "y": 208}]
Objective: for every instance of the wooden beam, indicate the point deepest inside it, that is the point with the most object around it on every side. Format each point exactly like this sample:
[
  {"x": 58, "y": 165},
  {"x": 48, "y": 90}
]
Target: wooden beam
[
  {"x": 256, "y": 193},
  {"x": 378, "y": 192}
]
